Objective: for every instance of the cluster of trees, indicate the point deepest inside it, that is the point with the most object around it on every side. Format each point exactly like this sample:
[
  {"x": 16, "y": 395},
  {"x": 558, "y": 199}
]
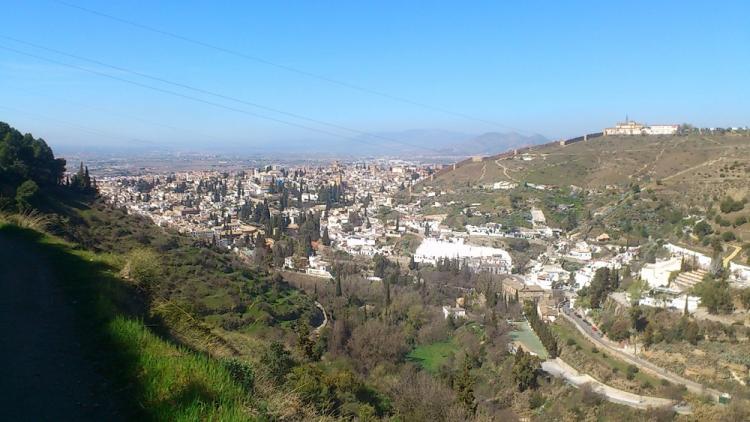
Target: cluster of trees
[
  {"x": 28, "y": 168},
  {"x": 451, "y": 265},
  {"x": 333, "y": 194},
  {"x": 605, "y": 281},
  {"x": 729, "y": 205},
  {"x": 715, "y": 295},
  {"x": 525, "y": 370},
  {"x": 82, "y": 182},
  {"x": 29, "y": 172},
  {"x": 542, "y": 330}
]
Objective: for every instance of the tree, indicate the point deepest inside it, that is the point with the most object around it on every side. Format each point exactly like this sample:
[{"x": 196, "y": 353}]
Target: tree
[
  {"x": 277, "y": 361},
  {"x": 524, "y": 371},
  {"x": 376, "y": 342},
  {"x": 715, "y": 296},
  {"x": 702, "y": 229},
  {"x": 326, "y": 240},
  {"x": 22, "y": 158},
  {"x": 338, "y": 285},
  {"x": 464, "y": 386},
  {"x": 305, "y": 344},
  {"x": 27, "y": 195},
  {"x": 413, "y": 264}
]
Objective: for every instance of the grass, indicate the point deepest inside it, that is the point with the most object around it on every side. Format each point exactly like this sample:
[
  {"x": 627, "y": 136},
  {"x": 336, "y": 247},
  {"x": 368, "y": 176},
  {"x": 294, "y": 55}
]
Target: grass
[
  {"x": 432, "y": 356},
  {"x": 157, "y": 378},
  {"x": 524, "y": 335}
]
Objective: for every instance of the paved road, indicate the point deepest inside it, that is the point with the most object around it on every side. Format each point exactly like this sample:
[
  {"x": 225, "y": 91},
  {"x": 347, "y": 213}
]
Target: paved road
[
  {"x": 558, "y": 368},
  {"x": 45, "y": 375},
  {"x": 323, "y": 324},
  {"x": 596, "y": 338}
]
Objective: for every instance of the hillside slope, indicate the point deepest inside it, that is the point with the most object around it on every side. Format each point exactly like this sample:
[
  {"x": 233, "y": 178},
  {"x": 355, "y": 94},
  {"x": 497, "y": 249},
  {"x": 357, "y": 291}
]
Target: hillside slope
[
  {"x": 680, "y": 163},
  {"x": 80, "y": 344},
  {"x": 633, "y": 186}
]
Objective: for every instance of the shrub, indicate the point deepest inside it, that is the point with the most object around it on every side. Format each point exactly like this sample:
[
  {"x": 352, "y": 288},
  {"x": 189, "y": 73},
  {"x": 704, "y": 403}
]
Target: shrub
[
  {"x": 27, "y": 195},
  {"x": 536, "y": 400},
  {"x": 142, "y": 266},
  {"x": 728, "y": 236},
  {"x": 730, "y": 205},
  {"x": 631, "y": 371},
  {"x": 241, "y": 372}
]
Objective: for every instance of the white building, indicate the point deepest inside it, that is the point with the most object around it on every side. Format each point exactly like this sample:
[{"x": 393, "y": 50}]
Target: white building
[
  {"x": 701, "y": 260},
  {"x": 630, "y": 128},
  {"x": 537, "y": 216},
  {"x": 657, "y": 274},
  {"x": 582, "y": 252},
  {"x": 455, "y": 312},
  {"x": 431, "y": 250}
]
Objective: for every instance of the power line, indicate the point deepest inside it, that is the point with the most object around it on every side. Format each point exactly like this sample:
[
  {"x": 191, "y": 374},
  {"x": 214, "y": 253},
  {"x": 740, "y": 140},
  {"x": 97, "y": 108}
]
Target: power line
[
  {"x": 80, "y": 127},
  {"x": 212, "y": 93},
  {"x": 111, "y": 112},
  {"x": 177, "y": 94},
  {"x": 287, "y": 68}
]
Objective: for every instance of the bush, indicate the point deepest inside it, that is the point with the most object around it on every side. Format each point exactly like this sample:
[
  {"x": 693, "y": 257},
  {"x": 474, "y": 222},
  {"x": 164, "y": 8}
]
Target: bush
[
  {"x": 728, "y": 236},
  {"x": 571, "y": 342},
  {"x": 702, "y": 229},
  {"x": 241, "y": 372},
  {"x": 730, "y": 205},
  {"x": 631, "y": 371},
  {"x": 27, "y": 195},
  {"x": 536, "y": 400},
  {"x": 142, "y": 267}
]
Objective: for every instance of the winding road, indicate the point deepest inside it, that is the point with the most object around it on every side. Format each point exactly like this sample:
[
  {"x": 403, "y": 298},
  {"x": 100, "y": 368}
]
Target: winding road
[
  {"x": 316, "y": 330},
  {"x": 642, "y": 364},
  {"x": 558, "y": 368}
]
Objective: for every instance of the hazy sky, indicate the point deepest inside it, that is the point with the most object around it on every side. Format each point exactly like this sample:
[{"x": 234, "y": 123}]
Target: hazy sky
[{"x": 555, "y": 68}]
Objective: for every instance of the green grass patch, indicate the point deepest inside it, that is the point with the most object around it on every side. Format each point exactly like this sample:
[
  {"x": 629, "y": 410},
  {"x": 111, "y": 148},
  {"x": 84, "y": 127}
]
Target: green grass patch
[
  {"x": 432, "y": 356},
  {"x": 528, "y": 339}
]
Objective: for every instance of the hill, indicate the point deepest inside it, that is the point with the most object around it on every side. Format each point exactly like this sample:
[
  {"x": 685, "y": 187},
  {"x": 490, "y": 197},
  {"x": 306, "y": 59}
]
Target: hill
[
  {"x": 620, "y": 181},
  {"x": 424, "y": 142}
]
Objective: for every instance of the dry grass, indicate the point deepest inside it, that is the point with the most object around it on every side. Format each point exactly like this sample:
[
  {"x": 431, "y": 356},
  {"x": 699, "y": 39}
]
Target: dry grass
[{"x": 29, "y": 219}]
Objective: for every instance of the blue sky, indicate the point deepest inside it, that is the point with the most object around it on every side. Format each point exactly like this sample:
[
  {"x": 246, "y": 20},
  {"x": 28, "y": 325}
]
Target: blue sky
[{"x": 555, "y": 68}]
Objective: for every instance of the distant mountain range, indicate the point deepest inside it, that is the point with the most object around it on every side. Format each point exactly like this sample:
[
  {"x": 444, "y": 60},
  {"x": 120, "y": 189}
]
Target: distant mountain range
[{"x": 437, "y": 142}]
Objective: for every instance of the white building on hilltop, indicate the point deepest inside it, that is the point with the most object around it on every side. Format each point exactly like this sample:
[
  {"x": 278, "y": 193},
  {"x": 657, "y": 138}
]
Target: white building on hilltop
[
  {"x": 630, "y": 128},
  {"x": 431, "y": 250}
]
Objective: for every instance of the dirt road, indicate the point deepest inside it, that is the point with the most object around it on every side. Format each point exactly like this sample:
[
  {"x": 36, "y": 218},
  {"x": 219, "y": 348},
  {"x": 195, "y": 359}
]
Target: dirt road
[
  {"x": 45, "y": 374},
  {"x": 642, "y": 364},
  {"x": 557, "y": 367}
]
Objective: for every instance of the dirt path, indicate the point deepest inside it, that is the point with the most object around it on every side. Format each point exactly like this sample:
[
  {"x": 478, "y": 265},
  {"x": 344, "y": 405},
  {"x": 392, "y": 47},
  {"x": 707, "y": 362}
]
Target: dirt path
[
  {"x": 484, "y": 171},
  {"x": 505, "y": 171},
  {"x": 704, "y": 164},
  {"x": 316, "y": 331},
  {"x": 558, "y": 368},
  {"x": 45, "y": 374},
  {"x": 729, "y": 258}
]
